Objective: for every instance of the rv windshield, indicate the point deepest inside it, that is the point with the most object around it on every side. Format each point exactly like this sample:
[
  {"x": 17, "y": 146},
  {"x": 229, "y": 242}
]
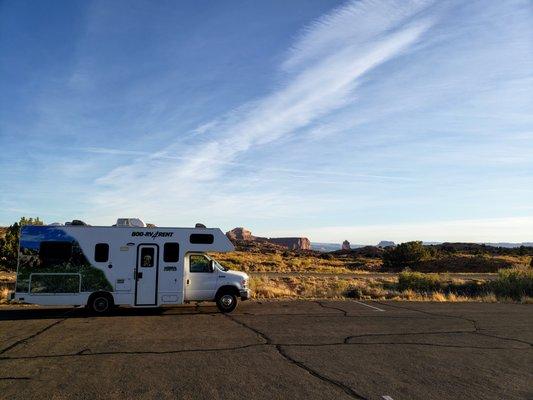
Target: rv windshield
[{"x": 221, "y": 266}]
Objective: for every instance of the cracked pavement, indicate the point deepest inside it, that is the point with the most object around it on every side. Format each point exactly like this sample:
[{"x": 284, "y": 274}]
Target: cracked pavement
[{"x": 271, "y": 350}]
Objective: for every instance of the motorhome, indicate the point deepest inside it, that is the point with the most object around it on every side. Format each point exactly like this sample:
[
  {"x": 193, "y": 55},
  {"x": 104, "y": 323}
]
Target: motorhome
[{"x": 125, "y": 264}]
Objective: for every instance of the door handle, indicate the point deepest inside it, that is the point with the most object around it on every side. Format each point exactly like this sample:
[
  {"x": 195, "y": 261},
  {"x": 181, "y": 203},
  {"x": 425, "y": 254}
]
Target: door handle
[
  {"x": 188, "y": 281},
  {"x": 139, "y": 275}
]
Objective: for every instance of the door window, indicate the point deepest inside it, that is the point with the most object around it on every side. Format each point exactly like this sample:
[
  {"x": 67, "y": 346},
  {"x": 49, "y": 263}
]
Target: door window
[
  {"x": 198, "y": 263},
  {"x": 147, "y": 257}
]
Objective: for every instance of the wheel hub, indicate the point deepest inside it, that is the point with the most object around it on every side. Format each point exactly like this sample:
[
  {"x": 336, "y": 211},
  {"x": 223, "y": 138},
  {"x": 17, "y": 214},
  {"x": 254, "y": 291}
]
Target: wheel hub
[
  {"x": 101, "y": 304},
  {"x": 226, "y": 300}
]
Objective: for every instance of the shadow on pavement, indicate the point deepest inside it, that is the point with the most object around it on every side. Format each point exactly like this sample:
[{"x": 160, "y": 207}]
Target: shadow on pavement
[{"x": 55, "y": 313}]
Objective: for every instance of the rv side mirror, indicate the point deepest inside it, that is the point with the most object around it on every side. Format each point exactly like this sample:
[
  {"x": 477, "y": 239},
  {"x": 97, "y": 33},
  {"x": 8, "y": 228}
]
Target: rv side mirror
[{"x": 211, "y": 266}]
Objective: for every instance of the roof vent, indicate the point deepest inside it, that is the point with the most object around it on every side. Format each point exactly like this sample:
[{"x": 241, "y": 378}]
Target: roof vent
[
  {"x": 76, "y": 222},
  {"x": 199, "y": 225},
  {"x": 130, "y": 223}
]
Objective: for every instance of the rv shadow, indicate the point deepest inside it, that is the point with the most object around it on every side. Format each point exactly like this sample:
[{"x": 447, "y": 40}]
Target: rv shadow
[{"x": 12, "y": 314}]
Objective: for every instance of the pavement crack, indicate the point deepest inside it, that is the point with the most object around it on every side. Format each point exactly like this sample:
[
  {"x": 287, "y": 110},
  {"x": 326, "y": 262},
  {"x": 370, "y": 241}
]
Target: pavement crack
[
  {"x": 14, "y": 378},
  {"x": 21, "y": 341},
  {"x": 348, "y": 390},
  {"x": 504, "y": 338},
  {"x": 82, "y": 353},
  {"x": 262, "y": 335},
  {"x": 268, "y": 341},
  {"x": 344, "y": 312},
  {"x": 433, "y": 345},
  {"x": 348, "y": 338},
  {"x": 477, "y": 328}
]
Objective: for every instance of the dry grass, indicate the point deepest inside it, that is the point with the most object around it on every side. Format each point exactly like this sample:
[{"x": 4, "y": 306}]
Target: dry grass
[
  {"x": 409, "y": 286},
  {"x": 3, "y": 296},
  {"x": 461, "y": 262},
  {"x": 7, "y": 276},
  {"x": 280, "y": 262},
  {"x": 289, "y": 261}
]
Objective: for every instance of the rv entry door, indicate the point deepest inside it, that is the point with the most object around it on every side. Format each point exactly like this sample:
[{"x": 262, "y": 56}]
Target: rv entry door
[{"x": 146, "y": 275}]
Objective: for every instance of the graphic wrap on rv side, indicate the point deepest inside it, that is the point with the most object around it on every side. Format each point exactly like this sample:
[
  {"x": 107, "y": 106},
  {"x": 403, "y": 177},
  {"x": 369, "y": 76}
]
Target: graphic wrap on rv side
[{"x": 40, "y": 271}]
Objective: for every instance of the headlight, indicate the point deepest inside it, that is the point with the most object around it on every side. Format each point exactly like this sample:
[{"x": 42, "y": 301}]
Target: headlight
[{"x": 244, "y": 283}]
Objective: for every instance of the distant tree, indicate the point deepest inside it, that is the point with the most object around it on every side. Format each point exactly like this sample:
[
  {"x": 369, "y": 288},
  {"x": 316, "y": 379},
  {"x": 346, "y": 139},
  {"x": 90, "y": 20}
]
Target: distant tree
[
  {"x": 30, "y": 221},
  {"x": 9, "y": 245},
  {"x": 405, "y": 255}
]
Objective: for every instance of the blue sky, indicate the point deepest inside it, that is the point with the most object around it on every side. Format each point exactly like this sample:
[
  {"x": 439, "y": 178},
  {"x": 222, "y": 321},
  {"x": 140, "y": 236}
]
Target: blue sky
[{"x": 362, "y": 120}]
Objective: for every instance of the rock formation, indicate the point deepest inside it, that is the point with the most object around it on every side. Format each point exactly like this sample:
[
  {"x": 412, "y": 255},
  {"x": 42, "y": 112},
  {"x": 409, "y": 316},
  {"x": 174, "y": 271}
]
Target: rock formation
[
  {"x": 241, "y": 234},
  {"x": 292, "y": 243},
  {"x": 386, "y": 243},
  {"x": 345, "y": 245}
]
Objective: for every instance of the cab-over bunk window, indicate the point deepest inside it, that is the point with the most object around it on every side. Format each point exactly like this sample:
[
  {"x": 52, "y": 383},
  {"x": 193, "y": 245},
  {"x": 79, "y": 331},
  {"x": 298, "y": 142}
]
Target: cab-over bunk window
[{"x": 201, "y": 238}]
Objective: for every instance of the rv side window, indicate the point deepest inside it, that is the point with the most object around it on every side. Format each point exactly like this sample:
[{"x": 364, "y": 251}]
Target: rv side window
[
  {"x": 198, "y": 263},
  {"x": 201, "y": 238},
  {"x": 147, "y": 257},
  {"x": 171, "y": 252},
  {"x": 101, "y": 252},
  {"x": 55, "y": 252}
]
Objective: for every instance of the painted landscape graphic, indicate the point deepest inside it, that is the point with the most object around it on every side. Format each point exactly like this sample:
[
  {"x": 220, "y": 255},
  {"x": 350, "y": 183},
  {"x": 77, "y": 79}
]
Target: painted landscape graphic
[{"x": 49, "y": 249}]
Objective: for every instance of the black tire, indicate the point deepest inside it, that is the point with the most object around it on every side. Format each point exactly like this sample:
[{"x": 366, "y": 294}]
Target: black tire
[
  {"x": 226, "y": 302},
  {"x": 100, "y": 303}
]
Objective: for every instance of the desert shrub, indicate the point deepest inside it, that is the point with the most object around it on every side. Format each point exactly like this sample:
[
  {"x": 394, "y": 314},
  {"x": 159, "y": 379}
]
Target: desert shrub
[
  {"x": 405, "y": 255},
  {"x": 468, "y": 289},
  {"x": 354, "y": 292},
  {"x": 419, "y": 282},
  {"x": 466, "y": 263},
  {"x": 514, "y": 283}
]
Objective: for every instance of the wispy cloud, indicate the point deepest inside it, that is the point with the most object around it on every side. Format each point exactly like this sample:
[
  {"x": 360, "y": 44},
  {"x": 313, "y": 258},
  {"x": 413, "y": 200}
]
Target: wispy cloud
[
  {"x": 248, "y": 166},
  {"x": 323, "y": 70}
]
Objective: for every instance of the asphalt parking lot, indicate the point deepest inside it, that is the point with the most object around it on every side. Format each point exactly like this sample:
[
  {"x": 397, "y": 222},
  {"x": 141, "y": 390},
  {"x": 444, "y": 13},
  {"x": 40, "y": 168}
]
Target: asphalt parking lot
[{"x": 271, "y": 350}]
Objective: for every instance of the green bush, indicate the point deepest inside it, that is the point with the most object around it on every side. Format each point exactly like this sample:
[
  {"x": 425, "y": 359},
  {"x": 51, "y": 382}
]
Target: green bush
[
  {"x": 514, "y": 283},
  {"x": 420, "y": 282},
  {"x": 9, "y": 245},
  {"x": 405, "y": 255}
]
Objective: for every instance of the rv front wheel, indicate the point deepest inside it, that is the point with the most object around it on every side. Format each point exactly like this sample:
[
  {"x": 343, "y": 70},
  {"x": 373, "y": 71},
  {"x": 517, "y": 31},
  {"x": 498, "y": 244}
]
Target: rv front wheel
[
  {"x": 100, "y": 303},
  {"x": 226, "y": 302}
]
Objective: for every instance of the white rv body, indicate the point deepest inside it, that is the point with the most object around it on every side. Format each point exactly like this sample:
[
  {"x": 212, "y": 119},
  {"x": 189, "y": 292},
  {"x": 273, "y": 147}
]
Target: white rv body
[{"x": 137, "y": 266}]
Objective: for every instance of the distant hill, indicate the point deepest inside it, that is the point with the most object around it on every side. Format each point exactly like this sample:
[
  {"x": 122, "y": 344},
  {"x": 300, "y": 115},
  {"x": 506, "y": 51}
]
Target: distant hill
[
  {"x": 327, "y": 247},
  {"x": 509, "y": 245},
  {"x": 505, "y": 245}
]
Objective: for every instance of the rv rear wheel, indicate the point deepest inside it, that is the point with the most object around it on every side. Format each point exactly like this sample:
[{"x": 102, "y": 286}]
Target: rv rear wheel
[
  {"x": 100, "y": 303},
  {"x": 226, "y": 302}
]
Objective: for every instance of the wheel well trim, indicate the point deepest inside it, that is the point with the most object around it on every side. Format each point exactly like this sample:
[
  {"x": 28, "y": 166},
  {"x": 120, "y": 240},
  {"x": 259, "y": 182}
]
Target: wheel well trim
[
  {"x": 101, "y": 292},
  {"x": 227, "y": 289}
]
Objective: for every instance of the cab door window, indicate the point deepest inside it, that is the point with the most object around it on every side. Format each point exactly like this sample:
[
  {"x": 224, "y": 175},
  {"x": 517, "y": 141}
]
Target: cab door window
[{"x": 199, "y": 263}]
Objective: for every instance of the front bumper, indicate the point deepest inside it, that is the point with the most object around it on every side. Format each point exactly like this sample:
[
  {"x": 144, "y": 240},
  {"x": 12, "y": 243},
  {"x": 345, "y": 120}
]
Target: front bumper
[{"x": 245, "y": 294}]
